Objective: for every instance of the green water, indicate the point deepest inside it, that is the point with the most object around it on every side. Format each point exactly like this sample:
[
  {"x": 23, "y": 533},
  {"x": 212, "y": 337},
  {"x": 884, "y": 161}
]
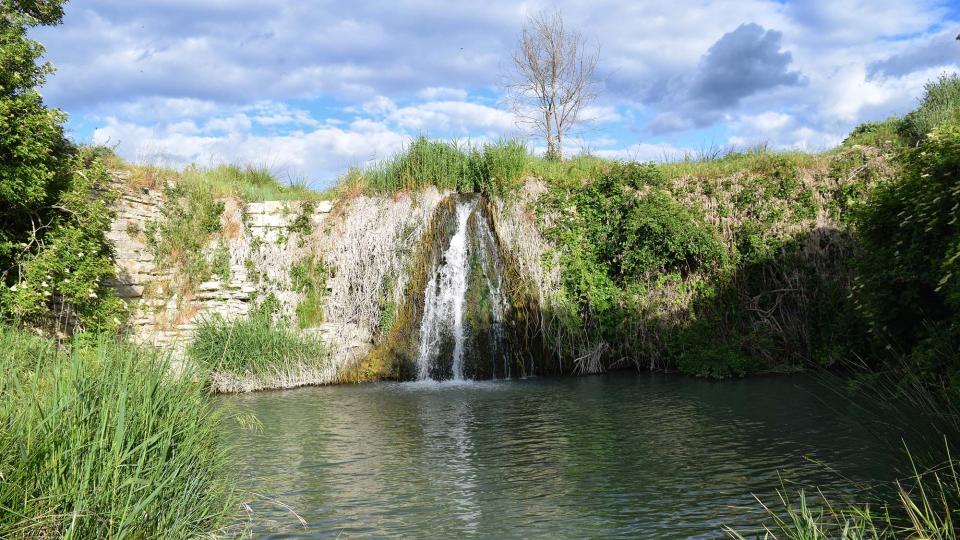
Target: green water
[{"x": 645, "y": 456}]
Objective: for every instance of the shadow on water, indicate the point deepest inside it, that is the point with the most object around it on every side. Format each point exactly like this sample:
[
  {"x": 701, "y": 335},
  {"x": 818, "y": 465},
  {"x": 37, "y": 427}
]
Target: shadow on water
[{"x": 645, "y": 455}]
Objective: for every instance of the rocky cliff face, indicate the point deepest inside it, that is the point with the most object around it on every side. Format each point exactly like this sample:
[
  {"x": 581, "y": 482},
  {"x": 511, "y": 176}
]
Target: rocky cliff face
[{"x": 364, "y": 244}]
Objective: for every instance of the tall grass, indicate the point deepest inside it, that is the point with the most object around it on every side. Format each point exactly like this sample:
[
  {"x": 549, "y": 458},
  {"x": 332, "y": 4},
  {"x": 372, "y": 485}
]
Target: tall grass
[
  {"x": 102, "y": 442},
  {"x": 447, "y": 165},
  {"x": 256, "y": 352},
  {"x": 250, "y": 183},
  {"x": 923, "y": 504},
  {"x": 925, "y": 508},
  {"x": 758, "y": 159},
  {"x": 940, "y": 102}
]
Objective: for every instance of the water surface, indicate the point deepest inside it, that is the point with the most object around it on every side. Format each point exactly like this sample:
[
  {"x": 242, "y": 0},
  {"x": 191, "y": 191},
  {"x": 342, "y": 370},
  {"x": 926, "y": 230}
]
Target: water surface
[{"x": 648, "y": 456}]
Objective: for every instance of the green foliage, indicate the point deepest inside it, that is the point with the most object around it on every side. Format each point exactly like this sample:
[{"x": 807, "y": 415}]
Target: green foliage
[
  {"x": 423, "y": 163},
  {"x": 493, "y": 169},
  {"x": 498, "y": 169},
  {"x": 725, "y": 163},
  {"x": 616, "y": 234},
  {"x": 103, "y": 442},
  {"x": 940, "y": 103},
  {"x": 190, "y": 216},
  {"x": 63, "y": 273},
  {"x": 910, "y": 262},
  {"x": 877, "y": 134},
  {"x": 302, "y": 224},
  {"x": 309, "y": 278},
  {"x": 54, "y": 199},
  {"x": 632, "y": 225},
  {"x": 254, "y": 346},
  {"x": 220, "y": 265},
  {"x": 249, "y": 183}
]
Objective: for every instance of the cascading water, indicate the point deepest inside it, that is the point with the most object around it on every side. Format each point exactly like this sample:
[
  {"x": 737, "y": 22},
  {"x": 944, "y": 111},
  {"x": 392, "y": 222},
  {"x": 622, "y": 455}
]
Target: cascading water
[
  {"x": 491, "y": 266},
  {"x": 464, "y": 307},
  {"x": 443, "y": 300}
]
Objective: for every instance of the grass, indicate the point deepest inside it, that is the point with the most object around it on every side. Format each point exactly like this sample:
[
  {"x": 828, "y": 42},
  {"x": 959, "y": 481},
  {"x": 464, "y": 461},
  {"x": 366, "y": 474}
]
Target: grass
[
  {"x": 756, "y": 160},
  {"x": 447, "y": 165},
  {"x": 257, "y": 352},
  {"x": 248, "y": 182},
  {"x": 101, "y": 441},
  {"x": 925, "y": 508},
  {"x": 940, "y": 102}
]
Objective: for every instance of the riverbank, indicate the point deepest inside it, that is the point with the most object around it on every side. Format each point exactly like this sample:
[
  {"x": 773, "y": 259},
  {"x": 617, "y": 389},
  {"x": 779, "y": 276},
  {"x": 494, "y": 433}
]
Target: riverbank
[{"x": 102, "y": 440}]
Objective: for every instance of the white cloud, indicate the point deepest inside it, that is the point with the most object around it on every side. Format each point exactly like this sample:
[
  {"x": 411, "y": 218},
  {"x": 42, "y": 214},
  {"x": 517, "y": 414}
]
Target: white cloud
[
  {"x": 319, "y": 155},
  {"x": 224, "y": 80},
  {"x": 441, "y": 92},
  {"x": 379, "y": 105},
  {"x": 458, "y": 117}
]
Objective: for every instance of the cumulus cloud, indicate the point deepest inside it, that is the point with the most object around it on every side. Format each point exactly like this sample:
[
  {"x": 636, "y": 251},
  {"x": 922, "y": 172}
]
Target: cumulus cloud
[
  {"x": 208, "y": 79},
  {"x": 319, "y": 154},
  {"x": 741, "y": 63},
  {"x": 442, "y": 92},
  {"x": 940, "y": 50}
]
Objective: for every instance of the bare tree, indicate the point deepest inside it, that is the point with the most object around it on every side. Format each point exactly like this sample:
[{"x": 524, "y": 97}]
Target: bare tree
[{"x": 554, "y": 78}]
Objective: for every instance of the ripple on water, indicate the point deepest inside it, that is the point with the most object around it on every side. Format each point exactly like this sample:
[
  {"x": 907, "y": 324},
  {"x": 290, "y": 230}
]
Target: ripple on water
[{"x": 648, "y": 455}]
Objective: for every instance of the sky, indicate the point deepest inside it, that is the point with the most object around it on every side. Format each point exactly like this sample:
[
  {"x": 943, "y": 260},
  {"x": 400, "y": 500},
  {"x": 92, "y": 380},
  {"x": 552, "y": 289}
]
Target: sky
[{"x": 311, "y": 88}]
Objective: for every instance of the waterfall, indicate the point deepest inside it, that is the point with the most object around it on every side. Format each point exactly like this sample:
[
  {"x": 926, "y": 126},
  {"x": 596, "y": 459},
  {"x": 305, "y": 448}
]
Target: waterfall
[
  {"x": 444, "y": 299},
  {"x": 491, "y": 265},
  {"x": 464, "y": 308}
]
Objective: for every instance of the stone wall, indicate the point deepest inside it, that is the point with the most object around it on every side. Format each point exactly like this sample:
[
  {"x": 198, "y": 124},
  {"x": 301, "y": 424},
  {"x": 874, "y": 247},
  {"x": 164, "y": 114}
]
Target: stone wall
[{"x": 364, "y": 242}]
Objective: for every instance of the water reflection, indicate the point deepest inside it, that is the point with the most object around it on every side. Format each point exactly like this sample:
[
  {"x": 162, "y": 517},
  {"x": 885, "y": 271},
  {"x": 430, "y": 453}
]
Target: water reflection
[{"x": 651, "y": 456}]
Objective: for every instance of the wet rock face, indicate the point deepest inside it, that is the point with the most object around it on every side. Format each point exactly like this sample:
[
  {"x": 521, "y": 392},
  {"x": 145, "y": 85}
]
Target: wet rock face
[
  {"x": 457, "y": 318},
  {"x": 381, "y": 256}
]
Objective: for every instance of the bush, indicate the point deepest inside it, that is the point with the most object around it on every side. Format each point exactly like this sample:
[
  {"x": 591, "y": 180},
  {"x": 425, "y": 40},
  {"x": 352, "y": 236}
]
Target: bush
[
  {"x": 617, "y": 235},
  {"x": 54, "y": 198},
  {"x": 940, "y": 103},
  {"x": 909, "y": 267},
  {"x": 179, "y": 239},
  {"x": 633, "y": 227},
  {"x": 103, "y": 442},
  {"x": 878, "y": 134}
]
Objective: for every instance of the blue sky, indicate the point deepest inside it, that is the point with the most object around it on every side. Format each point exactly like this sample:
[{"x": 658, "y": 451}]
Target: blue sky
[{"x": 312, "y": 88}]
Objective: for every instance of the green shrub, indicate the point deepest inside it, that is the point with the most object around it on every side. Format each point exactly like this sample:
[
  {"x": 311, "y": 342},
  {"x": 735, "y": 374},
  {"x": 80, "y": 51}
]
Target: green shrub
[
  {"x": 54, "y": 198},
  {"x": 189, "y": 218},
  {"x": 632, "y": 226},
  {"x": 103, "y": 442},
  {"x": 309, "y": 278},
  {"x": 878, "y": 134},
  {"x": 940, "y": 103},
  {"x": 909, "y": 266},
  {"x": 253, "y": 346},
  {"x": 616, "y": 234}
]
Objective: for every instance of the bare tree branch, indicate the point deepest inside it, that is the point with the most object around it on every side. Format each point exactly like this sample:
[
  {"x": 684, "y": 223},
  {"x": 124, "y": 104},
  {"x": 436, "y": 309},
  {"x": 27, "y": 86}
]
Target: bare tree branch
[{"x": 554, "y": 78}]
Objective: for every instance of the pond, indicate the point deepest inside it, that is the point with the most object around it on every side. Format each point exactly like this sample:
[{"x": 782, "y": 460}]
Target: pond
[{"x": 648, "y": 455}]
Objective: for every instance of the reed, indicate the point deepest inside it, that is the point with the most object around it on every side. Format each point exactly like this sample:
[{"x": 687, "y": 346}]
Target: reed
[
  {"x": 496, "y": 168},
  {"x": 101, "y": 441},
  {"x": 257, "y": 352}
]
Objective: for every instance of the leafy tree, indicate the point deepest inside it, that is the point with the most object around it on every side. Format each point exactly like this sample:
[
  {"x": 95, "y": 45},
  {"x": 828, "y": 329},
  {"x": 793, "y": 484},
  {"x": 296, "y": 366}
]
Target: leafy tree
[{"x": 54, "y": 197}]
